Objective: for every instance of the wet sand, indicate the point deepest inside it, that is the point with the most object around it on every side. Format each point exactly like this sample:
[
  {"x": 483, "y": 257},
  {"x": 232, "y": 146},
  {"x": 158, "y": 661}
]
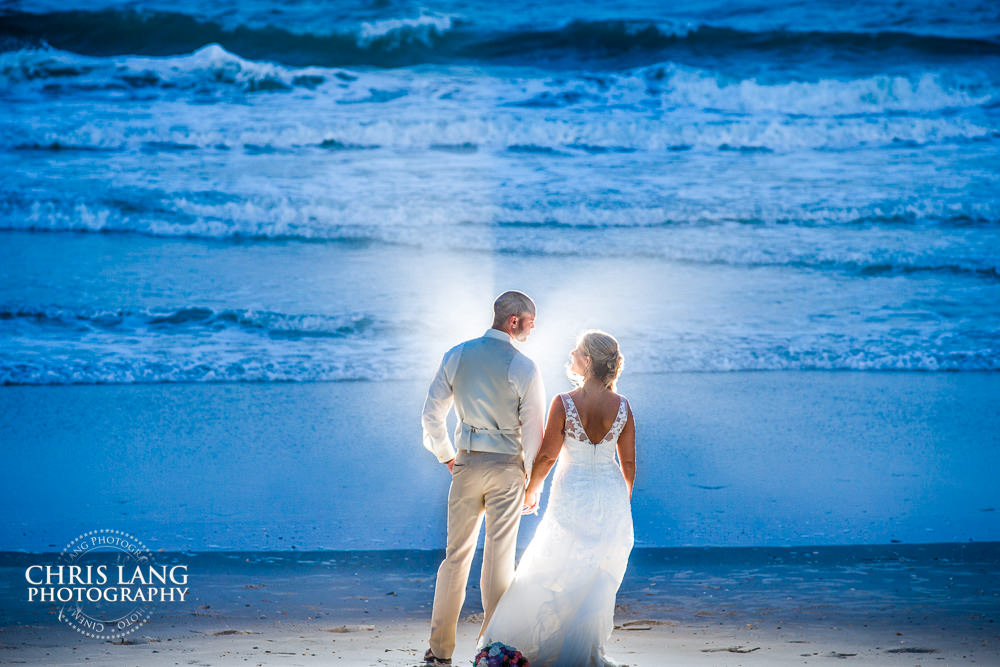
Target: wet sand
[{"x": 741, "y": 459}]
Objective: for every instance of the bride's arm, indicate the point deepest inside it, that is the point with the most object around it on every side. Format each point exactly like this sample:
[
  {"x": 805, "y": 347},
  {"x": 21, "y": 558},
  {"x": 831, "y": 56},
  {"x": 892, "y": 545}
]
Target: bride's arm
[
  {"x": 626, "y": 451},
  {"x": 552, "y": 442}
]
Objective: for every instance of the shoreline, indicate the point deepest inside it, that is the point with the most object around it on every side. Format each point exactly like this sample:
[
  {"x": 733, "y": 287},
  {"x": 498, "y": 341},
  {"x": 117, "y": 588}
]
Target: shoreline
[{"x": 876, "y": 605}]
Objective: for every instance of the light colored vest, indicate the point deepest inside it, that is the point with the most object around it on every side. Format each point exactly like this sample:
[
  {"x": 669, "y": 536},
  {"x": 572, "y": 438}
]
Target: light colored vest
[{"x": 485, "y": 401}]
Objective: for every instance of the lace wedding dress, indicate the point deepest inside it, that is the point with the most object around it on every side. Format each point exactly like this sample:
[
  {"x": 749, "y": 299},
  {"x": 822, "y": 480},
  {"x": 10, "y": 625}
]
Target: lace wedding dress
[{"x": 559, "y": 610}]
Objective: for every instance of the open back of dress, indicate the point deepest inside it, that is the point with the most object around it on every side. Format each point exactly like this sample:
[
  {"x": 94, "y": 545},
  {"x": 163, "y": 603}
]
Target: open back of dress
[{"x": 559, "y": 610}]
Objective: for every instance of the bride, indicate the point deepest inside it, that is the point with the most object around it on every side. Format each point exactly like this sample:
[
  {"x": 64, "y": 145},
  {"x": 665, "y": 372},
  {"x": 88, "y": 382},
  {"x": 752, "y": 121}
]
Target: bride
[{"x": 559, "y": 609}]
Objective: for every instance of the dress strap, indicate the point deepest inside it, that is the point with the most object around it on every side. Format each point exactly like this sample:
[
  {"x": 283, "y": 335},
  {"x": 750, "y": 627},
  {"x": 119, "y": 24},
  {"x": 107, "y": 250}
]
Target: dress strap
[
  {"x": 620, "y": 420},
  {"x": 574, "y": 425}
]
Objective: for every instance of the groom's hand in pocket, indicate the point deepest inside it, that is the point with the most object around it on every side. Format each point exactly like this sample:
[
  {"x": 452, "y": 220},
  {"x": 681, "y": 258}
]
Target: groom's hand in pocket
[{"x": 451, "y": 465}]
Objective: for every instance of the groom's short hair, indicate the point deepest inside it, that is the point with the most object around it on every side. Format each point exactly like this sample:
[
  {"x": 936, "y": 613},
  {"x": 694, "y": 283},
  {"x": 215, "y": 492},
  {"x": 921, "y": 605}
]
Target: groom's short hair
[{"x": 511, "y": 303}]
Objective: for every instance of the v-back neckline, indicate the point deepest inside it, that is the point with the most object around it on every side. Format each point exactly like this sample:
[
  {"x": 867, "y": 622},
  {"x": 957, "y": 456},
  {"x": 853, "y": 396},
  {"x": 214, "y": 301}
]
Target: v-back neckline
[{"x": 583, "y": 430}]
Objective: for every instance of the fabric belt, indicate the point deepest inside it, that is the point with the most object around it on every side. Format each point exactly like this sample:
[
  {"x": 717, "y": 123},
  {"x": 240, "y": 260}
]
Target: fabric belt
[
  {"x": 469, "y": 430},
  {"x": 464, "y": 457}
]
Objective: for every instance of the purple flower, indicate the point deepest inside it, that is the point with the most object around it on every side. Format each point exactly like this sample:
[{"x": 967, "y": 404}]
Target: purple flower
[{"x": 499, "y": 654}]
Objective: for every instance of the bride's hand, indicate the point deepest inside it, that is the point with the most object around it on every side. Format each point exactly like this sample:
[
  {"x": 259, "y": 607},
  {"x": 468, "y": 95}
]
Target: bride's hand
[{"x": 531, "y": 503}]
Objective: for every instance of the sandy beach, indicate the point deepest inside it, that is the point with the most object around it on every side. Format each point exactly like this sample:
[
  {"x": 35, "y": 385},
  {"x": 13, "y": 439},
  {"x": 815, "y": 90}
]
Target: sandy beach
[{"x": 888, "y": 605}]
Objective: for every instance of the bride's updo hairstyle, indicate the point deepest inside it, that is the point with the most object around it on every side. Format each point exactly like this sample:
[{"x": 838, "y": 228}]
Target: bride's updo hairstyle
[{"x": 606, "y": 360}]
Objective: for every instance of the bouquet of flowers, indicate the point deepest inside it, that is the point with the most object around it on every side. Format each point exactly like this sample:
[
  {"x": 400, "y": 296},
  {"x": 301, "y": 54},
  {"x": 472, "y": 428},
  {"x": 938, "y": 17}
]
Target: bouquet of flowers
[{"x": 498, "y": 654}]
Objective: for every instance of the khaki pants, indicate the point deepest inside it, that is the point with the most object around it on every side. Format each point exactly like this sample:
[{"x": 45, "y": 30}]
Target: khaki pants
[{"x": 482, "y": 483}]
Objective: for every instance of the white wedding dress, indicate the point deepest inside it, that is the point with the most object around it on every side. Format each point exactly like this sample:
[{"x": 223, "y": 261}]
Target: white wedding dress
[{"x": 559, "y": 609}]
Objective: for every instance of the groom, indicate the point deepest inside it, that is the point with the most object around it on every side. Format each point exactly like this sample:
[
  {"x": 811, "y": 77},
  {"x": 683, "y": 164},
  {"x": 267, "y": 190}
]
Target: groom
[{"x": 500, "y": 404}]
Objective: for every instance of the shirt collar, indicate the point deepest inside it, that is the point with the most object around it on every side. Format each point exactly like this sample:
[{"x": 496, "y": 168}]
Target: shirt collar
[{"x": 499, "y": 335}]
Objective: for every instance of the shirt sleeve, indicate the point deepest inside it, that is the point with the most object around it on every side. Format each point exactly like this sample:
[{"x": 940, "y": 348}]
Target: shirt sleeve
[
  {"x": 532, "y": 415},
  {"x": 436, "y": 407}
]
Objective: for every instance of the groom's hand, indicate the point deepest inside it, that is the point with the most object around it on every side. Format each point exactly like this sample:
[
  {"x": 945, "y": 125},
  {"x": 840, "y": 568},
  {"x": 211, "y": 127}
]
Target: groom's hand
[{"x": 450, "y": 464}]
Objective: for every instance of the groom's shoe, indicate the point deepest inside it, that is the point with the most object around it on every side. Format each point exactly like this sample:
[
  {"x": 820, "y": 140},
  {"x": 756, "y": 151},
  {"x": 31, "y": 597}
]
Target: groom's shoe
[{"x": 431, "y": 659}]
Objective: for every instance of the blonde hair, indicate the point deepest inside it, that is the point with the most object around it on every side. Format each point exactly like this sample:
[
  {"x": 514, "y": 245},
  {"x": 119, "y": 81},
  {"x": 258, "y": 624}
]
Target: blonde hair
[{"x": 606, "y": 359}]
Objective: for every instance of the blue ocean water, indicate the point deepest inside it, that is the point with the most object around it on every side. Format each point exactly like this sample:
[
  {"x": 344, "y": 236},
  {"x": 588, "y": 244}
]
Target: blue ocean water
[{"x": 287, "y": 191}]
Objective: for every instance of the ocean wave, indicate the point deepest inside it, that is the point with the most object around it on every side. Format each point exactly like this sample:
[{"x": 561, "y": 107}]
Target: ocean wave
[
  {"x": 412, "y": 128},
  {"x": 208, "y": 69},
  {"x": 217, "y": 215},
  {"x": 440, "y": 38},
  {"x": 830, "y": 353},
  {"x": 660, "y": 108},
  {"x": 683, "y": 87},
  {"x": 865, "y": 251},
  {"x": 550, "y": 138},
  {"x": 386, "y": 42},
  {"x": 63, "y": 345},
  {"x": 396, "y": 32},
  {"x": 500, "y": 133},
  {"x": 882, "y": 239},
  {"x": 81, "y": 359},
  {"x": 662, "y": 86},
  {"x": 186, "y": 320},
  {"x": 190, "y": 366},
  {"x": 629, "y": 43}
]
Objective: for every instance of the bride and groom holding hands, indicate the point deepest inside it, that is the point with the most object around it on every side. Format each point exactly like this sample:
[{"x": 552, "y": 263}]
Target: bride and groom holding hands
[{"x": 557, "y": 608}]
